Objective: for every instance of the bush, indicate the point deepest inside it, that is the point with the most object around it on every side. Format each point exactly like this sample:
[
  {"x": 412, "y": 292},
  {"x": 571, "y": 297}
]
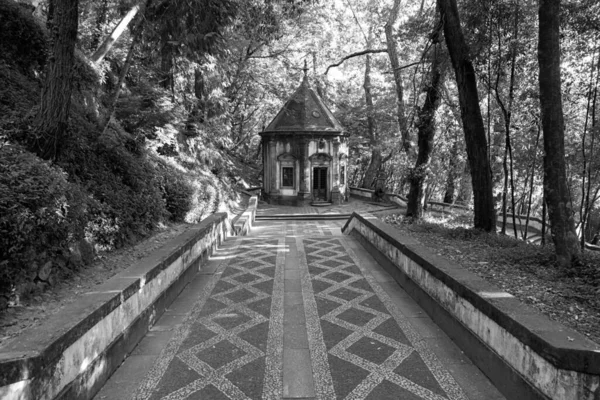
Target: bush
[
  {"x": 177, "y": 193},
  {"x": 23, "y": 39},
  {"x": 129, "y": 201},
  {"x": 40, "y": 213}
]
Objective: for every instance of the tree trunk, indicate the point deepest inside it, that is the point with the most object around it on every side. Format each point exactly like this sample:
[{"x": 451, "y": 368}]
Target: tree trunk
[
  {"x": 199, "y": 93},
  {"x": 465, "y": 194},
  {"x": 108, "y": 43},
  {"x": 587, "y": 168},
  {"x": 115, "y": 96},
  {"x": 544, "y": 212},
  {"x": 166, "y": 62},
  {"x": 50, "y": 14},
  {"x": 376, "y": 157},
  {"x": 52, "y": 120},
  {"x": 507, "y": 113},
  {"x": 504, "y": 190},
  {"x": 393, "y": 56},
  {"x": 426, "y": 133},
  {"x": 137, "y": 35},
  {"x": 451, "y": 178},
  {"x": 555, "y": 179},
  {"x": 100, "y": 21},
  {"x": 453, "y": 164},
  {"x": 370, "y": 178},
  {"x": 484, "y": 212},
  {"x": 533, "y": 159}
]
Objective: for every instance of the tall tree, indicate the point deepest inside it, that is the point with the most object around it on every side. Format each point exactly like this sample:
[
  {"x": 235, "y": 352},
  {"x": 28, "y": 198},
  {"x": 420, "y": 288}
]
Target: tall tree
[
  {"x": 376, "y": 157},
  {"x": 484, "y": 212},
  {"x": 555, "y": 179},
  {"x": 396, "y": 70},
  {"x": 52, "y": 119},
  {"x": 507, "y": 110},
  {"x": 426, "y": 133}
]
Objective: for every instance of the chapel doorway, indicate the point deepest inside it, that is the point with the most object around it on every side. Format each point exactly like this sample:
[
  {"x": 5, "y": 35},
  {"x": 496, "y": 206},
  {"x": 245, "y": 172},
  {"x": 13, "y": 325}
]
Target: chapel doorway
[{"x": 320, "y": 183}]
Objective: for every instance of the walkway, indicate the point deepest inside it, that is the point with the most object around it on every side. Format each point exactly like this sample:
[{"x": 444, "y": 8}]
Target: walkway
[{"x": 296, "y": 310}]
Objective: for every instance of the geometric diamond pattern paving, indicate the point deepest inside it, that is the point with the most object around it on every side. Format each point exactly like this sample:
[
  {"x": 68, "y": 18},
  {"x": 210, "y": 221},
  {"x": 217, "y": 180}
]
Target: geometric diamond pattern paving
[
  {"x": 236, "y": 356},
  {"x": 355, "y": 334},
  {"x": 231, "y": 345}
]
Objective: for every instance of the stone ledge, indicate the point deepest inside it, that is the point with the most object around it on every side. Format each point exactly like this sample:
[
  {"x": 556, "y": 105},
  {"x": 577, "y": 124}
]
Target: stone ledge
[
  {"x": 71, "y": 355},
  {"x": 555, "y": 360},
  {"x": 243, "y": 223},
  {"x": 360, "y": 192}
]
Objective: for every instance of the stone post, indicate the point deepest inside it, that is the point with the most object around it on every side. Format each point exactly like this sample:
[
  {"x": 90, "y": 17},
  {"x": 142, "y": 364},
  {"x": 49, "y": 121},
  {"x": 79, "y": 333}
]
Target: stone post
[
  {"x": 336, "y": 196},
  {"x": 305, "y": 168},
  {"x": 273, "y": 166}
]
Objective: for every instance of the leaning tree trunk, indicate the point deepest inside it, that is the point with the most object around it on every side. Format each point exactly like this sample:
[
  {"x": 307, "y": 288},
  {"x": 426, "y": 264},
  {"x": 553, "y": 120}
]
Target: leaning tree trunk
[
  {"x": 137, "y": 35},
  {"x": 555, "y": 178},
  {"x": 485, "y": 214},
  {"x": 52, "y": 120},
  {"x": 426, "y": 133},
  {"x": 370, "y": 178},
  {"x": 109, "y": 42},
  {"x": 393, "y": 56}
]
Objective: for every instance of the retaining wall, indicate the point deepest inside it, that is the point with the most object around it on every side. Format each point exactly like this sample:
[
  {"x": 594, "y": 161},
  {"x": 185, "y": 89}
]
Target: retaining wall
[
  {"x": 74, "y": 353},
  {"x": 242, "y": 224},
  {"x": 524, "y": 354}
]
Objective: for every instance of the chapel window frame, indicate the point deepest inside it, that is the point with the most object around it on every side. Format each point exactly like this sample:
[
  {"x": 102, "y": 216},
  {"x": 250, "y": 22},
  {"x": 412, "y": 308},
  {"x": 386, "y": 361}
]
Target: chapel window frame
[{"x": 285, "y": 179}]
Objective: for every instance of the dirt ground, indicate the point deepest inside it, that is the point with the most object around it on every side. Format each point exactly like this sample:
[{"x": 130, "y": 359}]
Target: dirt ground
[{"x": 527, "y": 271}]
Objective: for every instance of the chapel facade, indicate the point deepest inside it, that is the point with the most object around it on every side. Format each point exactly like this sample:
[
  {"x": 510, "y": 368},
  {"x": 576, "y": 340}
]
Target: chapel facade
[{"x": 305, "y": 153}]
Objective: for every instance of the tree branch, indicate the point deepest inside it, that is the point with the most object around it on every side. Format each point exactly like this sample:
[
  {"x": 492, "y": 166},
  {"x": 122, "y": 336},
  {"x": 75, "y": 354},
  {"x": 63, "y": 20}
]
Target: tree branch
[
  {"x": 387, "y": 158},
  {"x": 360, "y": 53}
]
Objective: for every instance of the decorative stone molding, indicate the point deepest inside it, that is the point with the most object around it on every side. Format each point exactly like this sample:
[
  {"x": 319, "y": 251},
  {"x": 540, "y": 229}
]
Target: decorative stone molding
[
  {"x": 286, "y": 157},
  {"x": 320, "y": 158}
]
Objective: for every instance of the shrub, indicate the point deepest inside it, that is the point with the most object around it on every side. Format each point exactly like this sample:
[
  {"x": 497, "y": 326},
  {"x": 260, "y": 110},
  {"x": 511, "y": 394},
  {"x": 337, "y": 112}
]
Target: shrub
[
  {"x": 23, "y": 39},
  {"x": 40, "y": 212},
  {"x": 127, "y": 201},
  {"x": 177, "y": 193}
]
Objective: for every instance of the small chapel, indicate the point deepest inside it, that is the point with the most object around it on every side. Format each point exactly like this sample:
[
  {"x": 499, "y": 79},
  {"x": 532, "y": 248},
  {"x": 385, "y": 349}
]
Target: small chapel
[{"x": 305, "y": 153}]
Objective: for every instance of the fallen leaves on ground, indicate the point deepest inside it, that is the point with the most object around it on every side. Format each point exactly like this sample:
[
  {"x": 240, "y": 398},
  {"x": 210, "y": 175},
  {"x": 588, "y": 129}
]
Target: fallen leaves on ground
[{"x": 527, "y": 271}]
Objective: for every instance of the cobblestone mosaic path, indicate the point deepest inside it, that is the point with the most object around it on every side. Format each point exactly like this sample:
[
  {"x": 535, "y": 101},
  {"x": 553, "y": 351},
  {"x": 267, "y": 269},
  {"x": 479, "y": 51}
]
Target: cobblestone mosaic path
[
  {"x": 363, "y": 350},
  {"x": 291, "y": 313}
]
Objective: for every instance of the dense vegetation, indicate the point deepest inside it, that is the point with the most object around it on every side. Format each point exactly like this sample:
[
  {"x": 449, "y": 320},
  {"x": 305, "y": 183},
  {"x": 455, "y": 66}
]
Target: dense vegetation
[{"x": 119, "y": 115}]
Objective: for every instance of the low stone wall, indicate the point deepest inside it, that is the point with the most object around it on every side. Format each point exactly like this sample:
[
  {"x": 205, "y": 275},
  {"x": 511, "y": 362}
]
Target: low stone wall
[
  {"x": 524, "y": 354},
  {"x": 363, "y": 193},
  {"x": 243, "y": 223},
  {"x": 73, "y": 354}
]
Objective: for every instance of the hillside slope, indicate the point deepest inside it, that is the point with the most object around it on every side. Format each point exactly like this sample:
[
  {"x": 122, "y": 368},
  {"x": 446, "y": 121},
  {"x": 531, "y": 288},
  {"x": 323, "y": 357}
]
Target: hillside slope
[{"x": 109, "y": 187}]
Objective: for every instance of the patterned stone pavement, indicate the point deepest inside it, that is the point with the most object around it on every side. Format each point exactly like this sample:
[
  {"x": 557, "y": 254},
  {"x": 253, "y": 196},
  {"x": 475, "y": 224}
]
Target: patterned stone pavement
[{"x": 294, "y": 311}]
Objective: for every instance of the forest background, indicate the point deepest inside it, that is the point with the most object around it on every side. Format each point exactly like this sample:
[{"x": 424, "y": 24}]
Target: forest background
[{"x": 117, "y": 116}]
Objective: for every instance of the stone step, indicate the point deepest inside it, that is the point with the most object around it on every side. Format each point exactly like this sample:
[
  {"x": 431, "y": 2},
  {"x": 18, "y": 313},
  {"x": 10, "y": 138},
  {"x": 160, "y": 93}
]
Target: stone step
[{"x": 302, "y": 217}]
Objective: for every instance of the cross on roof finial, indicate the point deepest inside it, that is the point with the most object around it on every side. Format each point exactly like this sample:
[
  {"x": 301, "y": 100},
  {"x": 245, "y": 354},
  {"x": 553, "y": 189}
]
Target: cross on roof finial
[{"x": 305, "y": 69}]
